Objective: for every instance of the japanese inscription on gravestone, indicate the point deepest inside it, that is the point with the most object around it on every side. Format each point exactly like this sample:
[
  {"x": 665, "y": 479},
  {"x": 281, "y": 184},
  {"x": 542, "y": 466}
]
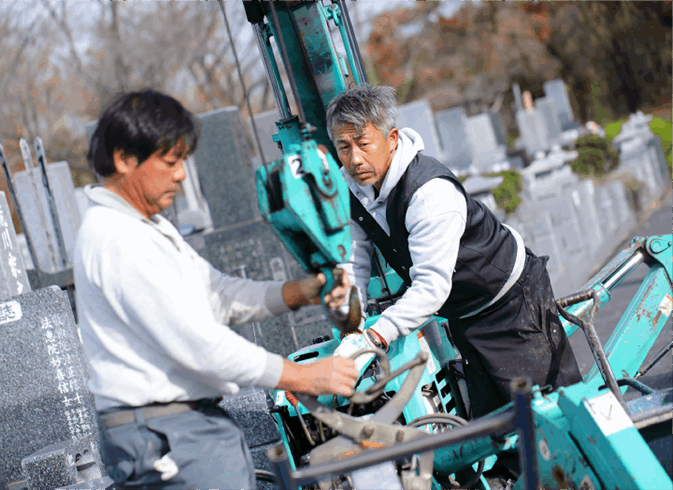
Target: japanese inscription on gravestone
[
  {"x": 43, "y": 375},
  {"x": 13, "y": 277}
]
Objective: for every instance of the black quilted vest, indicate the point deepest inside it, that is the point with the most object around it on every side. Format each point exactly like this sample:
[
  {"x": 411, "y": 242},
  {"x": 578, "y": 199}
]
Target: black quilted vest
[{"x": 487, "y": 251}]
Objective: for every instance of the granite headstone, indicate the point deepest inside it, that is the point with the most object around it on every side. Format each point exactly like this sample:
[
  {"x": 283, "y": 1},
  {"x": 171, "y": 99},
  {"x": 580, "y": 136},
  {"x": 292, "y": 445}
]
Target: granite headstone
[
  {"x": 251, "y": 412},
  {"x": 533, "y": 131},
  {"x": 486, "y": 142},
  {"x": 63, "y": 463},
  {"x": 255, "y": 246},
  {"x": 33, "y": 201},
  {"x": 13, "y": 277},
  {"x": 223, "y": 161},
  {"x": 266, "y": 128},
  {"x": 549, "y": 114},
  {"x": 557, "y": 91},
  {"x": 43, "y": 374},
  {"x": 419, "y": 117},
  {"x": 451, "y": 128}
]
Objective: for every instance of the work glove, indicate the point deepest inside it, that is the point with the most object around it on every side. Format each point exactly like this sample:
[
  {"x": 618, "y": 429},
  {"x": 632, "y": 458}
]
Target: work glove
[{"x": 357, "y": 341}]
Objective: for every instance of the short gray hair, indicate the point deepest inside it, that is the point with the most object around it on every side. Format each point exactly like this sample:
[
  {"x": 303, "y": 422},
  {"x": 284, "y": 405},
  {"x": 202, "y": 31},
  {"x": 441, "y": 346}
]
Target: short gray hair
[{"x": 361, "y": 105}]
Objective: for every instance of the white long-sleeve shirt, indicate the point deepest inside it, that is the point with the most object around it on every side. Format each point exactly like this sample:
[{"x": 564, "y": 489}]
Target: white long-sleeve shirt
[
  {"x": 435, "y": 219},
  {"x": 153, "y": 314}
]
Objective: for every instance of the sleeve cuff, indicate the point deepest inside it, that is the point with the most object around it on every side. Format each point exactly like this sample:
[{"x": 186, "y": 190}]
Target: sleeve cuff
[
  {"x": 272, "y": 372},
  {"x": 386, "y": 330},
  {"x": 274, "y": 299}
]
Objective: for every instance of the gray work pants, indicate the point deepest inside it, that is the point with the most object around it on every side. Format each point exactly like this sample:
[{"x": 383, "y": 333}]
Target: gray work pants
[{"x": 205, "y": 444}]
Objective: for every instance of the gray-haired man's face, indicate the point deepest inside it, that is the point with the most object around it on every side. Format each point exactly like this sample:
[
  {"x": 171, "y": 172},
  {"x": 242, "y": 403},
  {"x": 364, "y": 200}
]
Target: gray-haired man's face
[{"x": 366, "y": 154}]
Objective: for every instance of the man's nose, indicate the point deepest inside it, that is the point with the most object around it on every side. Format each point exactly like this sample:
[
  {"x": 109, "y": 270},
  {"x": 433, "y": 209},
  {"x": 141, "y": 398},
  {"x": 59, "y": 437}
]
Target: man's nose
[
  {"x": 356, "y": 158},
  {"x": 179, "y": 173}
]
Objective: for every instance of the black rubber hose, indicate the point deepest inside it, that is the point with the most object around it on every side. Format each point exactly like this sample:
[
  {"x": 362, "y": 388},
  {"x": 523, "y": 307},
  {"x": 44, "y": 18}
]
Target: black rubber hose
[{"x": 447, "y": 418}]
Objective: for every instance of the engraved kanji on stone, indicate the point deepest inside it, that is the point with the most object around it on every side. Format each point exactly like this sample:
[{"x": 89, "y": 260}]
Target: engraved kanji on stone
[
  {"x": 7, "y": 313},
  {"x": 6, "y": 241},
  {"x": 63, "y": 388}
]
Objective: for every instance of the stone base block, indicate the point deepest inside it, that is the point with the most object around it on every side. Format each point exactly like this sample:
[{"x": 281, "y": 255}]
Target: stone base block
[{"x": 63, "y": 463}]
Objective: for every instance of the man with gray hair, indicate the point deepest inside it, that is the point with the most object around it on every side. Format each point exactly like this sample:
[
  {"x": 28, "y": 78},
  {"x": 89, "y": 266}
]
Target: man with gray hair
[{"x": 456, "y": 258}]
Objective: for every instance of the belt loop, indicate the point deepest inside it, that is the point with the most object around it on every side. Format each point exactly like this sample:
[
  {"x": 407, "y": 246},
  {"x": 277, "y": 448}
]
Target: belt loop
[{"x": 140, "y": 416}]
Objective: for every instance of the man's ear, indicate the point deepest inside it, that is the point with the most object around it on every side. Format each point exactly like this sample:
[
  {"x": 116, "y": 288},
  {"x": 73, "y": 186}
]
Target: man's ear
[
  {"x": 393, "y": 136},
  {"x": 124, "y": 164}
]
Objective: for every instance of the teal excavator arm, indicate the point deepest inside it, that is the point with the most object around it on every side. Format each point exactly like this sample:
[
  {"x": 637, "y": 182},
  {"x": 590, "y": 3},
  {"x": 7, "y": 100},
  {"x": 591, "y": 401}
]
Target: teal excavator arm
[{"x": 303, "y": 195}]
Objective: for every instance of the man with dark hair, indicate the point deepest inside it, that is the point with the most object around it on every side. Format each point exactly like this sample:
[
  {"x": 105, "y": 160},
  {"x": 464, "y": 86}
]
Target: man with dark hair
[
  {"x": 154, "y": 315},
  {"x": 457, "y": 259}
]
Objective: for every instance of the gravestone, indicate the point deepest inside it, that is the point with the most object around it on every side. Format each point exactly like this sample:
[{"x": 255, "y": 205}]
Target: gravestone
[
  {"x": 191, "y": 206},
  {"x": 251, "y": 412},
  {"x": 13, "y": 277},
  {"x": 64, "y": 463},
  {"x": 549, "y": 175},
  {"x": 635, "y": 156},
  {"x": 635, "y": 128},
  {"x": 266, "y": 128},
  {"x": 556, "y": 90},
  {"x": 533, "y": 132},
  {"x": 583, "y": 201},
  {"x": 518, "y": 101},
  {"x": 254, "y": 247},
  {"x": 486, "y": 142},
  {"x": 43, "y": 373},
  {"x": 547, "y": 108},
  {"x": 451, "y": 125},
  {"x": 33, "y": 201},
  {"x": 223, "y": 161},
  {"x": 606, "y": 210},
  {"x": 419, "y": 117},
  {"x": 480, "y": 187},
  {"x": 641, "y": 153}
]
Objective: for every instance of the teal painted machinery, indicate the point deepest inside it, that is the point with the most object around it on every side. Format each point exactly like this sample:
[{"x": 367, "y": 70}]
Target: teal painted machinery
[
  {"x": 413, "y": 401},
  {"x": 585, "y": 436}
]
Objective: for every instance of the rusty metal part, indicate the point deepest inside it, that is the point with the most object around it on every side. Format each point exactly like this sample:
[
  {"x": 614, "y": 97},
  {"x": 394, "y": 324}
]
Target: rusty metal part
[
  {"x": 347, "y": 323},
  {"x": 376, "y": 432},
  {"x": 294, "y": 402},
  {"x": 592, "y": 337}
]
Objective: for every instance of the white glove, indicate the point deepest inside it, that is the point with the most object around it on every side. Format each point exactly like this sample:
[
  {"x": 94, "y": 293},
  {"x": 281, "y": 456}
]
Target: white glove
[{"x": 352, "y": 343}]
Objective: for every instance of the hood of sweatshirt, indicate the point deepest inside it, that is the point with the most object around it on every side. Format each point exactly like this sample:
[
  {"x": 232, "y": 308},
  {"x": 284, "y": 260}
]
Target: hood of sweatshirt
[{"x": 409, "y": 144}]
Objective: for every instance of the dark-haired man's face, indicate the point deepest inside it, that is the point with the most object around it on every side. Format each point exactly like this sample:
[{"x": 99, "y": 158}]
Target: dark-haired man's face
[
  {"x": 151, "y": 186},
  {"x": 365, "y": 155}
]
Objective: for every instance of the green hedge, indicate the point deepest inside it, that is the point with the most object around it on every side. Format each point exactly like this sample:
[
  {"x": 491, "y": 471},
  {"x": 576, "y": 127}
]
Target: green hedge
[
  {"x": 594, "y": 156},
  {"x": 507, "y": 194},
  {"x": 663, "y": 129}
]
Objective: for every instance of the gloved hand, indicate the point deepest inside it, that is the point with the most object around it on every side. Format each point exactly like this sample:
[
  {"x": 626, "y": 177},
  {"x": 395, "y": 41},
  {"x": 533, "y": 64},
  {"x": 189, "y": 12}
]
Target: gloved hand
[{"x": 355, "y": 342}]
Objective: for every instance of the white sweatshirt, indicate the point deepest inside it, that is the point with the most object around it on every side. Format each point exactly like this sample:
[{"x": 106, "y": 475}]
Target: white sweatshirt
[
  {"x": 153, "y": 314},
  {"x": 435, "y": 220}
]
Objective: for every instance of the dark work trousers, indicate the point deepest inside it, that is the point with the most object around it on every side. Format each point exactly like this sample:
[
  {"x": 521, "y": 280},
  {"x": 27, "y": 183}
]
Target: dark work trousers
[
  {"x": 520, "y": 335},
  {"x": 205, "y": 444}
]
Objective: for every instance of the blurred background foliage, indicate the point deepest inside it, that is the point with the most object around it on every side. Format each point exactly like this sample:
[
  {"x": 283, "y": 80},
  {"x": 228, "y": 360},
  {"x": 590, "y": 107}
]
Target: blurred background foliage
[{"x": 60, "y": 61}]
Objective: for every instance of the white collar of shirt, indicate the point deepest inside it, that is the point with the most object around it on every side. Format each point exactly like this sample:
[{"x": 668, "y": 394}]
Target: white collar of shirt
[{"x": 102, "y": 196}]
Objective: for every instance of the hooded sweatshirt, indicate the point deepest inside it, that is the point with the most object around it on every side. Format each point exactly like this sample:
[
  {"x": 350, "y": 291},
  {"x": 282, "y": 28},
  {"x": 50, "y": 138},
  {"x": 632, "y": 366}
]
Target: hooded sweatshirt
[{"x": 435, "y": 219}]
